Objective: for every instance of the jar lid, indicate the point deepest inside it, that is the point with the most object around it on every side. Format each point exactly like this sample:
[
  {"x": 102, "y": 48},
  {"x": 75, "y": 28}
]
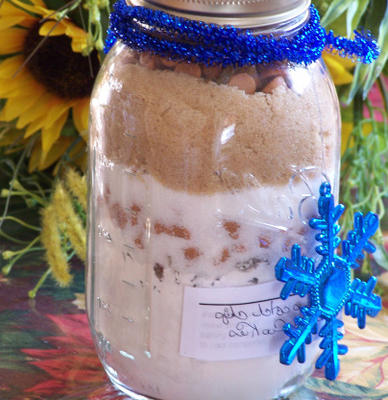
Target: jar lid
[{"x": 240, "y": 13}]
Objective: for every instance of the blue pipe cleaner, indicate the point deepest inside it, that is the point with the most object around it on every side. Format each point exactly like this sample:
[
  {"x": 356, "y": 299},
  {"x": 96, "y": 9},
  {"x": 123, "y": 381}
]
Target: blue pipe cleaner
[
  {"x": 329, "y": 285},
  {"x": 194, "y": 41}
]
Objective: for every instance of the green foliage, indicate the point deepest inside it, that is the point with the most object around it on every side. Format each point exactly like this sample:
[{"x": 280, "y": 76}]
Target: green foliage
[
  {"x": 364, "y": 172},
  {"x": 22, "y": 194},
  {"x": 368, "y": 15},
  {"x": 322, "y": 6}
]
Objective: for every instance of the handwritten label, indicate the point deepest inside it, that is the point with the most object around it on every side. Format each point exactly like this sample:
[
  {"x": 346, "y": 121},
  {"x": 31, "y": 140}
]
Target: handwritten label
[{"x": 235, "y": 323}]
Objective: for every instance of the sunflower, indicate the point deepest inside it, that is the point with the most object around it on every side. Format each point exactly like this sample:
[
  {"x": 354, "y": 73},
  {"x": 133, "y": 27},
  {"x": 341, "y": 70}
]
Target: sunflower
[
  {"x": 45, "y": 79},
  {"x": 340, "y": 68}
]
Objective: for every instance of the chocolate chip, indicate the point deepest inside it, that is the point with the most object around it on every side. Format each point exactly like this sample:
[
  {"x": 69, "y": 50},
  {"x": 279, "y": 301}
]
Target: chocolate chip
[{"x": 159, "y": 271}]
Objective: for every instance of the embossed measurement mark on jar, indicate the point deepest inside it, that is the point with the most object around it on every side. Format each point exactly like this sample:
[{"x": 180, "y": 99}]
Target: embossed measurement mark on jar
[
  {"x": 104, "y": 233},
  {"x": 129, "y": 135},
  {"x": 127, "y": 355},
  {"x": 177, "y": 278},
  {"x": 103, "y": 344},
  {"x": 147, "y": 354},
  {"x": 128, "y": 283},
  {"x": 129, "y": 319},
  {"x": 103, "y": 305},
  {"x": 127, "y": 253}
]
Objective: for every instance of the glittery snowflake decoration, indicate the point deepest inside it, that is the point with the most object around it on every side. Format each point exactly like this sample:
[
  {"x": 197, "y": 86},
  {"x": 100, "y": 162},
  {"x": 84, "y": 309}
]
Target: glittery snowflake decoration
[{"x": 329, "y": 285}]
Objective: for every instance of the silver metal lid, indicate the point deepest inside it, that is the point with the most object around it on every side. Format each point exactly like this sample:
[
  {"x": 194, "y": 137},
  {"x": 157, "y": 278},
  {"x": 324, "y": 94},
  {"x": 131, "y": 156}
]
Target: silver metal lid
[{"x": 241, "y": 13}]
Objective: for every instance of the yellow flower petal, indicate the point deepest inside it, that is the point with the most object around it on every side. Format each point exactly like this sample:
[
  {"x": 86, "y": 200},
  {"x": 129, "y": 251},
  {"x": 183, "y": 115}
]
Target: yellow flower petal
[
  {"x": 78, "y": 36},
  {"x": 337, "y": 69},
  {"x": 11, "y": 20},
  {"x": 345, "y": 61},
  {"x": 34, "y": 160},
  {"x": 74, "y": 31},
  {"x": 9, "y": 66},
  {"x": 39, "y": 3},
  {"x": 29, "y": 88},
  {"x": 347, "y": 128},
  {"x": 15, "y": 106},
  {"x": 81, "y": 117},
  {"x": 78, "y": 44},
  {"x": 37, "y": 111},
  {"x": 56, "y": 152},
  {"x": 34, "y": 126},
  {"x": 58, "y": 107},
  {"x": 8, "y": 11},
  {"x": 18, "y": 85},
  {"x": 38, "y": 7},
  {"x": 48, "y": 116},
  {"x": 12, "y": 40},
  {"x": 55, "y": 27},
  {"x": 51, "y": 134},
  {"x": 37, "y": 161}
]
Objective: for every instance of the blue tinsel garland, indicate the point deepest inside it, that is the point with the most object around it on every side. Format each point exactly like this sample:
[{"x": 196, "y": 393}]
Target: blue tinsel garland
[{"x": 195, "y": 41}]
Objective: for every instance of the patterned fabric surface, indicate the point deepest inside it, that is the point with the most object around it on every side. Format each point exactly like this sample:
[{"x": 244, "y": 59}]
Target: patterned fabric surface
[{"x": 46, "y": 351}]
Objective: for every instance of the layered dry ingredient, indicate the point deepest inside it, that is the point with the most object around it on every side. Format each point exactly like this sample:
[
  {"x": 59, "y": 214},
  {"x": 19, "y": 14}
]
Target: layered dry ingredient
[
  {"x": 202, "y": 177},
  {"x": 204, "y": 136}
]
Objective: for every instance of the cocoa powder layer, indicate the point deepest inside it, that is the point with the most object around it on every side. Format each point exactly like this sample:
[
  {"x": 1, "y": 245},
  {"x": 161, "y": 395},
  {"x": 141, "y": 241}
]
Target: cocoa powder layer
[{"x": 198, "y": 136}]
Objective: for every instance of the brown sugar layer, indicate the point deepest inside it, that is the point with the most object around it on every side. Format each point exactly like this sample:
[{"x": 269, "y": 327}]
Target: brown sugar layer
[{"x": 195, "y": 135}]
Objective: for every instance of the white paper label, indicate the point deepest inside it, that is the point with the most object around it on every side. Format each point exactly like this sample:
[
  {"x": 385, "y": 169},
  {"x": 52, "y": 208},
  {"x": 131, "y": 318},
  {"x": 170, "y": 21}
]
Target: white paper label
[{"x": 236, "y": 323}]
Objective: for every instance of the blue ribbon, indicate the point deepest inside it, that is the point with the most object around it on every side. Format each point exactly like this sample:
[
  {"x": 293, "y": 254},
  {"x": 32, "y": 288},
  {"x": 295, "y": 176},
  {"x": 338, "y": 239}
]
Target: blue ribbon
[{"x": 182, "y": 39}]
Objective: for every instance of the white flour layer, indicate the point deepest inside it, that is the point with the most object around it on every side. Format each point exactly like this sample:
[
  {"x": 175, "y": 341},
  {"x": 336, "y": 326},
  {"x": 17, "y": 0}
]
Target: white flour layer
[{"x": 141, "y": 266}]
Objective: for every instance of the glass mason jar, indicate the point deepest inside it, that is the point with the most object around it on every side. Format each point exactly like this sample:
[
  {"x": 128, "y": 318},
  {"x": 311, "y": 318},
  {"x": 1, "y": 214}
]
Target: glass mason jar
[{"x": 201, "y": 178}]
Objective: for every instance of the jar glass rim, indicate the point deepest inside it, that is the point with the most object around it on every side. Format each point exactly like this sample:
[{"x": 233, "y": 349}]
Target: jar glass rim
[{"x": 240, "y": 13}]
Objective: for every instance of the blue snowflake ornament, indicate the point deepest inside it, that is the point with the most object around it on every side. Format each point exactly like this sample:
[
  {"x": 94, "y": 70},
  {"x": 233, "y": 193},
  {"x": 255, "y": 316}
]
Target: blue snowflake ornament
[{"x": 329, "y": 285}]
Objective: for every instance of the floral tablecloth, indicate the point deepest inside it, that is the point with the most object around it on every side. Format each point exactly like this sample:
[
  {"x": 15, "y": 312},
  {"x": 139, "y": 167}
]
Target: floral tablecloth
[{"x": 46, "y": 351}]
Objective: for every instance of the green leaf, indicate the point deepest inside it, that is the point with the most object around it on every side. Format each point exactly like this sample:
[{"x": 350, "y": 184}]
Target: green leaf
[
  {"x": 322, "y": 6},
  {"x": 374, "y": 15},
  {"x": 366, "y": 75},
  {"x": 360, "y": 72},
  {"x": 344, "y": 390},
  {"x": 385, "y": 70},
  {"x": 378, "y": 65},
  {"x": 337, "y": 8},
  {"x": 354, "y": 14}
]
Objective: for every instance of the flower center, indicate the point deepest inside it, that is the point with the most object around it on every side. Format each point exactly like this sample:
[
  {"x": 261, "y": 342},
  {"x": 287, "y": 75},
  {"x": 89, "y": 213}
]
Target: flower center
[{"x": 54, "y": 65}]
